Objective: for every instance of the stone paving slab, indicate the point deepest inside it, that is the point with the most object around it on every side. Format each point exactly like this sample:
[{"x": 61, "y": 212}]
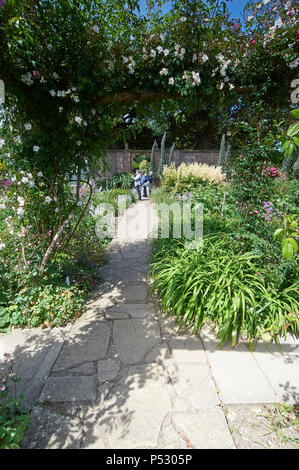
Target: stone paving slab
[
  {"x": 194, "y": 384},
  {"x": 49, "y": 430},
  {"x": 187, "y": 349},
  {"x": 128, "y": 274},
  {"x": 134, "y": 338},
  {"x": 280, "y": 365},
  {"x": 236, "y": 373},
  {"x": 139, "y": 310},
  {"x": 204, "y": 429},
  {"x": 108, "y": 369},
  {"x": 84, "y": 369},
  {"x": 87, "y": 341},
  {"x": 134, "y": 412},
  {"x": 69, "y": 389},
  {"x": 34, "y": 352}
]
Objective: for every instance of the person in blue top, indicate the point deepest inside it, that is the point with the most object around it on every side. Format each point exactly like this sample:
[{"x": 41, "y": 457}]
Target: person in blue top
[
  {"x": 143, "y": 183},
  {"x": 137, "y": 183}
]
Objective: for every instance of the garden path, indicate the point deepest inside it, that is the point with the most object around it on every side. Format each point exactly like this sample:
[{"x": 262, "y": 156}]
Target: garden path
[{"x": 122, "y": 377}]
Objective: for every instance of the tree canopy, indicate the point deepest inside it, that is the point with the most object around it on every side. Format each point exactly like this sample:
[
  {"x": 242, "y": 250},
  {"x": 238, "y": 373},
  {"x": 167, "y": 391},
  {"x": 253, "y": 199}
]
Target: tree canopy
[{"x": 74, "y": 70}]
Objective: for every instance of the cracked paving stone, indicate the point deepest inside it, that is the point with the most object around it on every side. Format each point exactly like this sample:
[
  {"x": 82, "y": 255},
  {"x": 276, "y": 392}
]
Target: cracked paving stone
[
  {"x": 204, "y": 429},
  {"x": 134, "y": 338},
  {"x": 139, "y": 310},
  {"x": 87, "y": 341},
  {"x": 194, "y": 383},
  {"x": 132, "y": 417}
]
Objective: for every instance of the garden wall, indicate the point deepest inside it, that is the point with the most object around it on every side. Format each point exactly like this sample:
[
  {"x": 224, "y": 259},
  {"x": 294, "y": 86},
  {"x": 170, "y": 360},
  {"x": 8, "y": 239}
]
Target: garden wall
[{"x": 122, "y": 160}]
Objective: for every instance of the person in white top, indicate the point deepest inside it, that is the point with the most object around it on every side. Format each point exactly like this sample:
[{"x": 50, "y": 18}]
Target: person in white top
[{"x": 137, "y": 183}]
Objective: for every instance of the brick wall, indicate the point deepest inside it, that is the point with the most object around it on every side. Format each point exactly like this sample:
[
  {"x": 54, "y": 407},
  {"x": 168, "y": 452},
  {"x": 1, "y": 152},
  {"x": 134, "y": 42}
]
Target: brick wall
[{"x": 122, "y": 160}]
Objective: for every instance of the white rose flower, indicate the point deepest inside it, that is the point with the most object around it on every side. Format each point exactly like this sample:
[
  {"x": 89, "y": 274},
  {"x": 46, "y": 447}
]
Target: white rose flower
[
  {"x": 48, "y": 199},
  {"x": 36, "y": 148},
  {"x": 96, "y": 29},
  {"x": 27, "y": 78},
  {"x": 166, "y": 52},
  {"x": 20, "y": 211},
  {"x": 28, "y": 126},
  {"x": 52, "y": 92},
  {"x": 171, "y": 81},
  {"x": 164, "y": 71},
  {"x": 25, "y": 180},
  {"x": 78, "y": 120},
  {"x": 154, "y": 53},
  {"x": 2, "y": 245}
]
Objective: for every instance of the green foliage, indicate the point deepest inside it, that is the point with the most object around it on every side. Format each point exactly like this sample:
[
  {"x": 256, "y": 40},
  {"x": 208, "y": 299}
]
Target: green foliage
[
  {"x": 144, "y": 166},
  {"x": 218, "y": 286},
  {"x": 289, "y": 236},
  {"x": 237, "y": 281},
  {"x": 162, "y": 162},
  {"x": 119, "y": 180},
  {"x": 288, "y": 138},
  {"x": 26, "y": 300},
  {"x": 185, "y": 178},
  {"x": 14, "y": 418}
]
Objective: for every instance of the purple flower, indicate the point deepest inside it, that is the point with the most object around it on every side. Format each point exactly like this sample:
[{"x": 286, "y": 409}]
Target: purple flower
[
  {"x": 2, "y": 3},
  {"x": 2, "y": 386},
  {"x": 7, "y": 356},
  {"x": 6, "y": 182}
]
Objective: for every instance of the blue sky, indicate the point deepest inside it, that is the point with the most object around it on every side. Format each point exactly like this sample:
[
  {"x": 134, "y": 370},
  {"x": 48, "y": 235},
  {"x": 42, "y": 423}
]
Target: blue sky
[{"x": 236, "y": 6}]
